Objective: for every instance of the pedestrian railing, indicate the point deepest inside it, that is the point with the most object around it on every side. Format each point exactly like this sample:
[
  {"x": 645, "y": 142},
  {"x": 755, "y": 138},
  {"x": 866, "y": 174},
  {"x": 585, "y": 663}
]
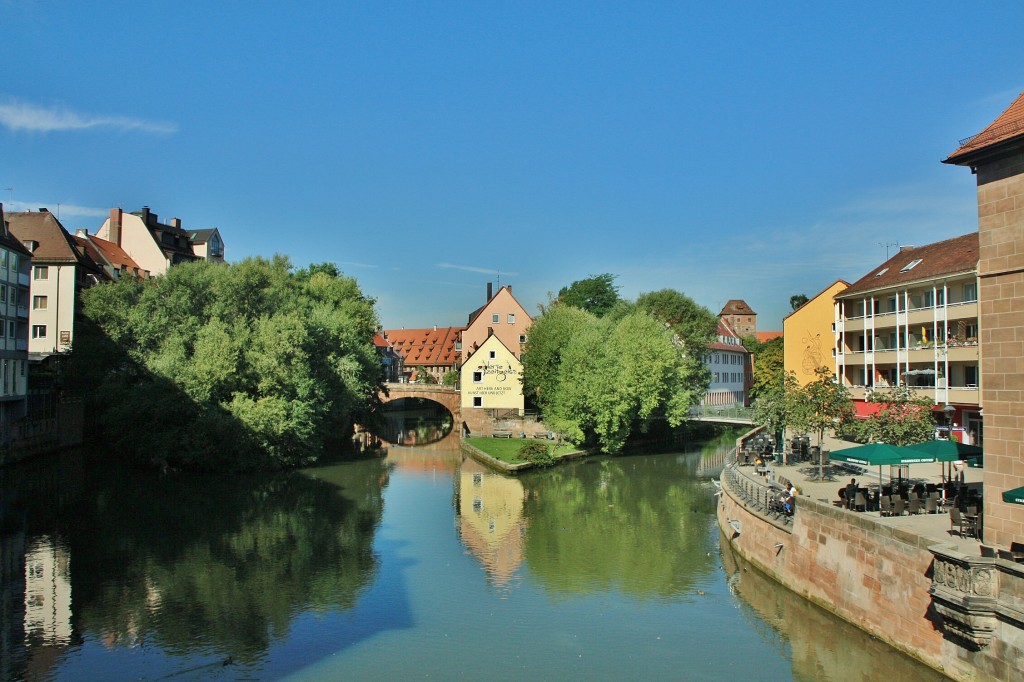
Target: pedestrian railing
[{"x": 761, "y": 497}]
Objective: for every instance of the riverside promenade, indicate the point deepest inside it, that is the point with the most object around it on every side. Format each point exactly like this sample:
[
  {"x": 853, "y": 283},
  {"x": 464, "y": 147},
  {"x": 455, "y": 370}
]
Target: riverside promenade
[
  {"x": 907, "y": 580},
  {"x": 932, "y": 526}
]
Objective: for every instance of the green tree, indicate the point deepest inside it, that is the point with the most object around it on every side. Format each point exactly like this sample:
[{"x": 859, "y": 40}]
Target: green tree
[
  {"x": 820, "y": 405},
  {"x": 596, "y": 294},
  {"x": 903, "y": 418},
  {"x": 450, "y": 378},
  {"x": 423, "y": 376},
  {"x": 237, "y": 366},
  {"x": 776, "y": 403},
  {"x": 769, "y": 366},
  {"x": 797, "y": 300}
]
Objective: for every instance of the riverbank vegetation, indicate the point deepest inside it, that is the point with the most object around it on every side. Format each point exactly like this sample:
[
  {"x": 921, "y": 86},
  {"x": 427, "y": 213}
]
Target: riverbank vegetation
[
  {"x": 598, "y": 380},
  {"x": 253, "y": 365},
  {"x": 510, "y": 450}
]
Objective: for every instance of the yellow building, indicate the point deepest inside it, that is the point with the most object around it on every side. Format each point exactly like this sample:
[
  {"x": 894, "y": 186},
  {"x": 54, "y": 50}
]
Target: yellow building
[
  {"x": 492, "y": 378},
  {"x": 809, "y": 334}
]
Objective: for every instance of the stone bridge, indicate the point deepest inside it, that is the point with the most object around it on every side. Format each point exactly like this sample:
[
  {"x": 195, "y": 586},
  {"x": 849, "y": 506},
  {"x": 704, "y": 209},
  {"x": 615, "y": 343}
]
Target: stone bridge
[{"x": 447, "y": 396}]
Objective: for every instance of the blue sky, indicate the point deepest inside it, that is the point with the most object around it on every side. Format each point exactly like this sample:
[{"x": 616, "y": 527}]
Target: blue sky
[{"x": 726, "y": 150}]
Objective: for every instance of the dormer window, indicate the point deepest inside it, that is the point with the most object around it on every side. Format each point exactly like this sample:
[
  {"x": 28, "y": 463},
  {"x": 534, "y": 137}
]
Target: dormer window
[
  {"x": 30, "y": 245},
  {"x": 881, "y": 272},
  {"x": 910, "y": 266}
]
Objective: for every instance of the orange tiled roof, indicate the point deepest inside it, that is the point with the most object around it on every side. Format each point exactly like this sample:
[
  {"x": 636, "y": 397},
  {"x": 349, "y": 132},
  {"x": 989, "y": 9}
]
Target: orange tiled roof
[
  {"x": 948, "y": 257},
  {"x": 767, "y": 336},
  {"x": 425, "y": 346},
  {"x": 725, "y": 330},
  {"x": 1008, "y": 125}
]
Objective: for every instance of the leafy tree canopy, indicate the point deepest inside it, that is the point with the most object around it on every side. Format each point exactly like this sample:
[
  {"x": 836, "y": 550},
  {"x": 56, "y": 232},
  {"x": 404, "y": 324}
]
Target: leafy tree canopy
[
  {"x": 903, "y": 418},
  {"x": 214, "y": 366},
  {"x": 769, "y": 366},
  {"x": 596, "y": 294},
  {"x": 821, "y": 405},
  {"x": 797, "y": 300}
]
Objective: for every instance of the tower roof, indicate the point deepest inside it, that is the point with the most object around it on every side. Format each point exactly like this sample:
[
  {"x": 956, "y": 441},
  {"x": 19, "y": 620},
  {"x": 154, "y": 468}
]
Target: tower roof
[{"x": 1008, "y": 126}]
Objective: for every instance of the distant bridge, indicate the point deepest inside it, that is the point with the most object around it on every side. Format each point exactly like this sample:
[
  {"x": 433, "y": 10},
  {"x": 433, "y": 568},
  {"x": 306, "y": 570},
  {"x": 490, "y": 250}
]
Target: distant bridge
[
  {"x": 447, "y": 396},
  {"x": 722, "y": 415}
]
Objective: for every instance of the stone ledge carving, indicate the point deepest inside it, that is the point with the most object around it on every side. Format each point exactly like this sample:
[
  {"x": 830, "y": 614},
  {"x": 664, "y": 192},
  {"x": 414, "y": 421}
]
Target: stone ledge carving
[{"x": 965, "y": 594}]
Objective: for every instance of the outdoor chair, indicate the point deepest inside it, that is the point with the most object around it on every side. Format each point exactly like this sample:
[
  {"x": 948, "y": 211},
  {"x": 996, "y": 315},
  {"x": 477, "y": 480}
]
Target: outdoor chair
[
  {"x": 885, "y": 505},
  {"x": 915, "y": 505},
  {"x": 963, "y": 524},
  {"x": 931, "y": 505},
  {"x": 860, "y": 503},
  {"x": 899, "y": 505}
]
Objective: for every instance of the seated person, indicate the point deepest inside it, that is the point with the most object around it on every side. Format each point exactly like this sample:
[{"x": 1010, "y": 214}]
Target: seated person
[
  {"x": 851, "y": 493},
  {"x": 788, "y": 499}
]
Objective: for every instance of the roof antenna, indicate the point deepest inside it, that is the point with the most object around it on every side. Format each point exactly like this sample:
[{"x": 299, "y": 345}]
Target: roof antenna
[
  {"x": 499, "y": 280},
  {"x": 896, "y": 244}
]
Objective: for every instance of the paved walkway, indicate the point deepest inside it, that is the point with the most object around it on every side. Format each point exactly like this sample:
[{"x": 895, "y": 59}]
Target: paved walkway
[{"x": 932, "y": 526}]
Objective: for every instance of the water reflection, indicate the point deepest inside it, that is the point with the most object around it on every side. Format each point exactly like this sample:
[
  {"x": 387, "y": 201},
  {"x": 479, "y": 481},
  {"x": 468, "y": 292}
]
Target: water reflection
[
  {"x": 823, "y": 648},
  {"x": 635, "y": 524},
  {"x": 214, "y": 566},
  {"x": 415, "y": 421},
  {"x": 490, "y": 519}
]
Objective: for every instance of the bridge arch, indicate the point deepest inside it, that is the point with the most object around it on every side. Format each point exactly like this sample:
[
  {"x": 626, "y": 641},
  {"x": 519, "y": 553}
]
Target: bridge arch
[{"x": 445, "y": 398}]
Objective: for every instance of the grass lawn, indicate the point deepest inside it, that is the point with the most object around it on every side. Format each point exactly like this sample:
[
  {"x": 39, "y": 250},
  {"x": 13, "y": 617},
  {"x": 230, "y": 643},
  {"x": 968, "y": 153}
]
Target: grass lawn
[{"x": 507, "y": 449}]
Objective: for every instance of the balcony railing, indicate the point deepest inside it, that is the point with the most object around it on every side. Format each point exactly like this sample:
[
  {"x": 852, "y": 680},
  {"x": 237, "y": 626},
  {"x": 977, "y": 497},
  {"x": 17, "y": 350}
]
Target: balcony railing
[{"x": 882, "y": 313}]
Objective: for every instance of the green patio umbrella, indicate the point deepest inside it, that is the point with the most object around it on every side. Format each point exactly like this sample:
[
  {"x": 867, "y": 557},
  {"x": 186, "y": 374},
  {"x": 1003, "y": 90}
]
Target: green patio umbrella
[
  {"x": 951, "y": 451},
  {"x": 879, "y": 454},
  {"x": 1015, "y": 496}
]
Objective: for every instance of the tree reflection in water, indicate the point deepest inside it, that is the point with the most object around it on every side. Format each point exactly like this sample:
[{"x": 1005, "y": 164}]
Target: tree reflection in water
[
  {"x": 637, "y": 524},
  {"x": 414, "y": 421},
  {"x": 221, "y": 563}
]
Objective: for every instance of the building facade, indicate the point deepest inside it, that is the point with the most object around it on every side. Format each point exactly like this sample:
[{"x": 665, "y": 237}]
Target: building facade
[
  {"x": 740, "y": 317},
  {"x": 155, "y": 246},
  {"x": 996, "y": 157},
  {"x": 501, "y": 316},
  {"x": 809, "y": 334},
  {"x": 913, "y": 321},
  {"x": 492, "y": 378},
  {"x": 729, "y": 364},
  {"x": 61, "y": 268},
  {"x": 15, "y": 270}
]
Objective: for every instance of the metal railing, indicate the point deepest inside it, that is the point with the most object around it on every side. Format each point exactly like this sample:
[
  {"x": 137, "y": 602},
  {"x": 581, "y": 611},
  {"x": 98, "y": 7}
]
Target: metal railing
[{"x": 759, "y": 497}]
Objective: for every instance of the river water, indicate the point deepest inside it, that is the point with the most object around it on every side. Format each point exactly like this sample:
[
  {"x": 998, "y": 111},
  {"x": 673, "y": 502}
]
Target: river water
[{"x": 419, "y": 565}]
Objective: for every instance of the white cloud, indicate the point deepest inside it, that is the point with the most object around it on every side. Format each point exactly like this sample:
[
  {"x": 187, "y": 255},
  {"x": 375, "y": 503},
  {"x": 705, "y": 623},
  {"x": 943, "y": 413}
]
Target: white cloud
[
  {"x": 473, "y": 268},
  {"x": 58, "y": 209},
  {"x": 18, "y": 116},
  {"x": 356, "y": 265}
]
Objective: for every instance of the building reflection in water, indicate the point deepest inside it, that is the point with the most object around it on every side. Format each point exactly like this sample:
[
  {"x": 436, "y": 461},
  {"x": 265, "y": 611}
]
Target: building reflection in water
[
  {"x": 490, "y": 519},
  {"x": 414, "y": 421}
]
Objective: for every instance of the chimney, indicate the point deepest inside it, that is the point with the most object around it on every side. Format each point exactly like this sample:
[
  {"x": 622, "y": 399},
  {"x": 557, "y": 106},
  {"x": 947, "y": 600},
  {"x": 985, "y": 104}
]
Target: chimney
[
  {"x": 509, "y": 287},
  {"x": 176, "y": 222},
  {"x": 114, "y": 234},
  {"x": 490, "y": 292}
]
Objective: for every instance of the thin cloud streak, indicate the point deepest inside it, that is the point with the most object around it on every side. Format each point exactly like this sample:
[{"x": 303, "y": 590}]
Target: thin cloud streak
[
  {"x": 479, "y": 270},
  {"x": 60, "y": 210},
  {"x": 18, "y": 116},
  {"x": 357, "y": 265}
]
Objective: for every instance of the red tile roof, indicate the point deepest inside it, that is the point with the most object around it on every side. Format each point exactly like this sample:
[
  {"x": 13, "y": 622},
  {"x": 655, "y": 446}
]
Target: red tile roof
[
  {"x": 768, "y": 336},
  {"x": 1009, "y": 125},
  {"x": 425, "y": 346},
  {"x": 952, "y": 256}
]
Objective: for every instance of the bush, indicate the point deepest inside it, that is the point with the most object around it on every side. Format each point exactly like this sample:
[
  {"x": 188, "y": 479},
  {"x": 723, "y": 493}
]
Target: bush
[{"x": 537, "y": 453}]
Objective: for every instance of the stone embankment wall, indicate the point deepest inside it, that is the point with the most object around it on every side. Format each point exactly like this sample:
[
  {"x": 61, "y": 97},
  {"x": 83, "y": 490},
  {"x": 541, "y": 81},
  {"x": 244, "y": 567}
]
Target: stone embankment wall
[{"x": 878, "y": 578}]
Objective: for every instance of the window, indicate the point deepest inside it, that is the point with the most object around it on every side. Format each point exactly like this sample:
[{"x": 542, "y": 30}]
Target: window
[
  {"x": 511, "y": 318},
  {"x": 495, "y": 318},
  {"x": 493, "y": 354},
  {"x": 41, "y": 272},
  {"x": 39, "y": 303},
  {"x": 3, "y": 293},
  {"x": 478, "y": 377},
  {"x": 971, "y": 376},
  {"x": 3, "y": 258},
  {"x": 911, "y": 265},
  {"x": 14, "y": 296},
  {"x": 522, "y": 338},
  {"x": 10, "y": 329},
  {"x": 39, "y": 331},
  {"x": 478, "y": 401},
  {"x": 971, "y": 292},
  {"x": 881, "y": 272}
]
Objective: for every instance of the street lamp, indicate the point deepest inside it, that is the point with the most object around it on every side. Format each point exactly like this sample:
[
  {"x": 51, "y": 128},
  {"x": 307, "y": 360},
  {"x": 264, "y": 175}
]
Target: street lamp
[{"x": 949, "y": 411}]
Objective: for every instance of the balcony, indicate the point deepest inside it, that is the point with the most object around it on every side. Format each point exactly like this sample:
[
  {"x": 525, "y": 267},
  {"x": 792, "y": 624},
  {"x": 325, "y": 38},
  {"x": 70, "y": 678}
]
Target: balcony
[
  {"x": 23, "y": 312},
  {"x": 23, "y": 279}
]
